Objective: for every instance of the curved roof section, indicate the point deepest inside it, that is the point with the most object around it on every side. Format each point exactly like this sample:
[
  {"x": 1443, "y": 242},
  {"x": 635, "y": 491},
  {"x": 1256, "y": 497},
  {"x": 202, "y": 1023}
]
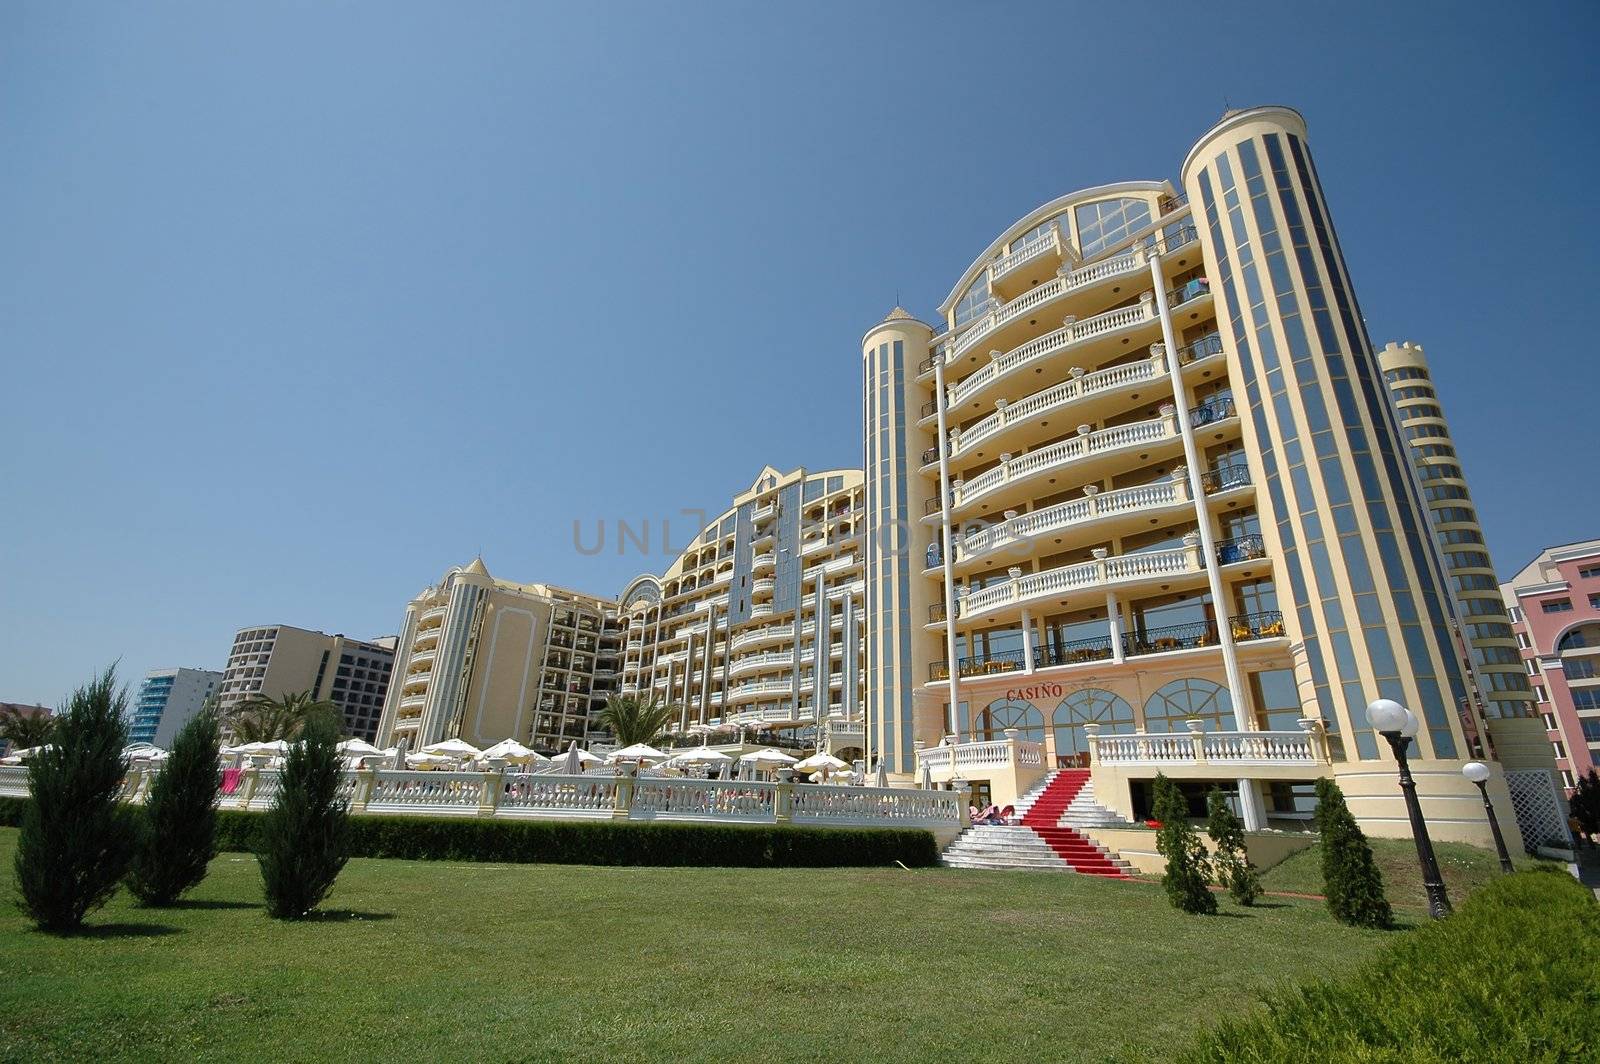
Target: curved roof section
[
  {"x": 1236, "y": 117},
  {"x": 641, "y": 586},
  {"x": 1040, "y": 214}
]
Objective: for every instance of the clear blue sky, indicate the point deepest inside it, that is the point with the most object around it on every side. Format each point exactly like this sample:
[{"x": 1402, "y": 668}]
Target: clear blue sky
[{"x": 301, "y": 303}]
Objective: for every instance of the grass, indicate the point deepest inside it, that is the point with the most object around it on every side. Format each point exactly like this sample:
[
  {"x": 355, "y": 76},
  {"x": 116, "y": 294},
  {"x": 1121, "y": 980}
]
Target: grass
[
  {"x": 1465, "y": 869},
  {"x": 537, "y": 962}
]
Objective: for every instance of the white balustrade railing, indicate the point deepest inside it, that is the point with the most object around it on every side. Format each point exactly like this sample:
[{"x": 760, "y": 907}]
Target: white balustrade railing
[
  {"x": 598, "y": 795},
  {"x": 1062, "y": 515},
  {"x": 1270, "y": 748},
  {"x": 1059, "y": 395},
  {"x": 1094, "y": 273},
  {"x": 1103, "y": 572},
  {"x": 1050, "y": 344},
  {"x": 736, "y": 800},
  {"x": 977, "y": 758},
  {"x": 1050, "y": 241},
  {"x": 1064, "y": 452},
  {"x": 760, "y": 635}
]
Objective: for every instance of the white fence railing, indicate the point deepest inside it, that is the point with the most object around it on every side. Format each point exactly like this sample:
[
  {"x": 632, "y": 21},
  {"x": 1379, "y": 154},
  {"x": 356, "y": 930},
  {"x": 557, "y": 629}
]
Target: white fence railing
[
  {"x": 599, "y": 796},
  {"x": 1309, "y": 746}
]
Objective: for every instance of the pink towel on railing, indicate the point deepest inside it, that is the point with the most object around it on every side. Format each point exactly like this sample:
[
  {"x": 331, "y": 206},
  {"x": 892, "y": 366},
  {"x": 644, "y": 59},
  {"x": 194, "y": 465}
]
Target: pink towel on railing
[{"x": 230, "y": 779}]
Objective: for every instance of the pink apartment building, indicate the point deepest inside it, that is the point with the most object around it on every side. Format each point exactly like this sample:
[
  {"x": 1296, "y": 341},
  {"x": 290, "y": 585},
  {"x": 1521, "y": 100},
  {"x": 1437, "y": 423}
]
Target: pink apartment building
[{"x": 1555, "y": 609}]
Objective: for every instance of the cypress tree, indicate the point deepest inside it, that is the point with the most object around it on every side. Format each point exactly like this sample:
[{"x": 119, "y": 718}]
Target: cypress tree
[
  {"x": 77, "y": 838},
  {"x": 1350, "y": 877},
  {"x": 304, "y": 839},
  {"x": 1187, "y": 868},
  {"x": 180, "y": 829},
  {"x": 1230, "y": 861}
]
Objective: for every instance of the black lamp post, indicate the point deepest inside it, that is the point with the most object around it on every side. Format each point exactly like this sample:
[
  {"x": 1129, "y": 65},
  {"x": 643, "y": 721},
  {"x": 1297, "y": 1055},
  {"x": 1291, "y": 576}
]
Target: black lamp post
[
  {"x": 1478, "y": 773},
  {"x": 1398, "y": 724}
]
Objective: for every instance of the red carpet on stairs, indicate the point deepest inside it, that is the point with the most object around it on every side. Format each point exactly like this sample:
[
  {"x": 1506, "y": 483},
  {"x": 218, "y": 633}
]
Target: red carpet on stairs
[{"x": 1041, "y": 818}]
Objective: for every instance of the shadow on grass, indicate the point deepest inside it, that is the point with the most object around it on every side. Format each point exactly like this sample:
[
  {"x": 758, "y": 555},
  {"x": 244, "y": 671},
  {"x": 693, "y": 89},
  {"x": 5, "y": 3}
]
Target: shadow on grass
[
  {"x": 343, "y": 916},
  {"x": 118, "y": 930},
  {"x": 213, "y": 903},
  {"x": 1271, "y": 905}
]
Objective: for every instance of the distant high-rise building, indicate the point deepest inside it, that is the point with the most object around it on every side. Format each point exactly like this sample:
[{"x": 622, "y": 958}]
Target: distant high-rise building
[
  {"x": 275, "y": 660},
  {"x": 484, "y": 659},
  {"x": 167, "y": 700}
]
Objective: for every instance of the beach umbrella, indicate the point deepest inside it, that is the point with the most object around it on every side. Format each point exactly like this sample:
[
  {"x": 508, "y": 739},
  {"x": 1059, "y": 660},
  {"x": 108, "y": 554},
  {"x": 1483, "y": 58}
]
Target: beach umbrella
[
  {"x": 820, "y": 762},
  {"x": 357, "y": 748},
  {"x": 636, "y": 752},
  {"x": 276, "y": 747},
  {"x": 456, "y": 748},
  {"x": 426, "y": 760},
  {"x": 702, "y": 756},
  {"x": 881, "y": 777},
  {"x": 769, "y": 758},
  {"x": 926, "y": 781},
  {"x": 513, "y": 751}
]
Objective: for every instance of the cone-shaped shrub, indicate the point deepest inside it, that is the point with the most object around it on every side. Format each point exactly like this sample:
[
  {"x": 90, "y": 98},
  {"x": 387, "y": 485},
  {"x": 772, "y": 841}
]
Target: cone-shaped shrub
[
  {"x": 1350, "y": 877},
  {"x": 1187, "y": 869},
  {"x": 1230, "y": 863},
  {"x": 180, "y": 828},
  {"x": 304, "y": 839},
  {"x": 76, "y": 838}
]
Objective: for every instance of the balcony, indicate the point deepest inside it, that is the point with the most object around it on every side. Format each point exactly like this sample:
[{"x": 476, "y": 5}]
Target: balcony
[
  {"x": 1058, "y": 456},
  {"x": 981, "y": 760},
  {"x": 754, "y": 689},
  {"x": 759, "y": 662},
  {"x": 1144, "y": 567},
  {"x": 764, "y": 511},
  {"x": 1047, "y": 246},
  {"x": 1245, "y": 627},
  {"x": 413, "y": 702},
  {"x": 757, "y": 636},
  {"x": 432, "y": 617},
  {"x": 421, "y": 661},
  {"x": 762, "y": 587},
  {"x": 1035, "y": 352},
  {"x": 764, "y": 560}
]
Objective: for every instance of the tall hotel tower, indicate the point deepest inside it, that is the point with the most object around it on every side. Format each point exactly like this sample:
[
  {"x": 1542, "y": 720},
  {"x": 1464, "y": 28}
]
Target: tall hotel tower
[{"x": 1141, "y": 502}]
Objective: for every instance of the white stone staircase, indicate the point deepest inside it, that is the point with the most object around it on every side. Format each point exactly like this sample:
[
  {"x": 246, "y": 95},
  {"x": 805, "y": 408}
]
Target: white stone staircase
[{"x": 1012, "y": 846}]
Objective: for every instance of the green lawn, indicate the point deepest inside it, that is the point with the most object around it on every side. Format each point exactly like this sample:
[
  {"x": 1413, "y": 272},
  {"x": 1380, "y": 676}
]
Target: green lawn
[
  {"x": 1465, "y": 869},
  {"x": 481, "y": 961}
]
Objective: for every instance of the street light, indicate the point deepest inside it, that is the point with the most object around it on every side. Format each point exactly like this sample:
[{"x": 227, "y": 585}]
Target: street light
[
  {"x": 1478, "y": 773},
  {"x": 1398, "y": 724}
]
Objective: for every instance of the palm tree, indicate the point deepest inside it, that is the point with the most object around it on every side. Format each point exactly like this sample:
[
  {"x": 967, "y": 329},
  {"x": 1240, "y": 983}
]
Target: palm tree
[
  {"x": 25, "y": 730},
  {"x": 260, "y": 719},
  {"x": 635, "y": 720}
]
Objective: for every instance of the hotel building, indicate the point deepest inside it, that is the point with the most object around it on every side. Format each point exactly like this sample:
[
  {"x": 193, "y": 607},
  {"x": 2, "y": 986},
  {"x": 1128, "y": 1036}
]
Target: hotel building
[
  {"x": 167, "y": 700},
  {"x": 1555, "y": 608},
  {"x": 1139, "y": 502},
  {"x": 759, "y": 620},
  {"x": 484, "y": 659},
  {"x": 271, "y": 661}
]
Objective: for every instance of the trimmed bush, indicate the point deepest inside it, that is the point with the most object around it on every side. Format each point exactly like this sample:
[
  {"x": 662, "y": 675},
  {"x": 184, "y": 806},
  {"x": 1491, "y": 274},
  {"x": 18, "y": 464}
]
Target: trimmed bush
[
  {"x": 1230, "y": 863},
  {"x": 1514, "y": 975},
  {"x": 608, "y": 842},
  {"x": 304, "y": 837},
  {"x": 1187, "y": 868},
  {"x": 12, "y": 810},
  {"x": 77, "y": 838},
  {"x": 179, "y": 835},
  {"x": 1350, "y": 878}
]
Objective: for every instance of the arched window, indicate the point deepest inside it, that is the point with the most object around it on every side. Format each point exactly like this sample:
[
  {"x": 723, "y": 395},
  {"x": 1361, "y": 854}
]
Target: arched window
[
  {"x": 1586, "y": 635},
  {"x": 1089, "y": 706},
  {"x": 974, "y": 301},
  {"x": 1103, "y": 224},
  {"x": 1191, "y": 696},
  {"x": 1024, "y": 716}
]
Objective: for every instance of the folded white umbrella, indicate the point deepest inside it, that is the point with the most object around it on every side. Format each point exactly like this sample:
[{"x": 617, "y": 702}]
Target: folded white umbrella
[
  {"x": 424, "y": 759},
  {"x": 636, "y": 752},
  {"x": 727, "y": 770},
  {"x": 457, "y": 748},
  {"x": 357, "y": 748},
  {"x": 881, "y": 777},
  {"x": 513, "y": 751},
  {"x": 926, "y": 781}
]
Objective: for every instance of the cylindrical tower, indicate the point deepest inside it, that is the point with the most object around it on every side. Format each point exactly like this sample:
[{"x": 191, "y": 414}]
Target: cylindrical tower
[
  {"x": 890, "y": 354},
  {"x": 468, "y": 590},
  {"x": 1370, "y": 609}
]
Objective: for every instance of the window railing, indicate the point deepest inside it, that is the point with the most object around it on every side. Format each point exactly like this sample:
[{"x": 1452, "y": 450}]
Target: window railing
[
  {"x": 1225, "y": 477},
  {"x": 1241, "y": 549},
  {"x": 1214, "y": 410}
]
